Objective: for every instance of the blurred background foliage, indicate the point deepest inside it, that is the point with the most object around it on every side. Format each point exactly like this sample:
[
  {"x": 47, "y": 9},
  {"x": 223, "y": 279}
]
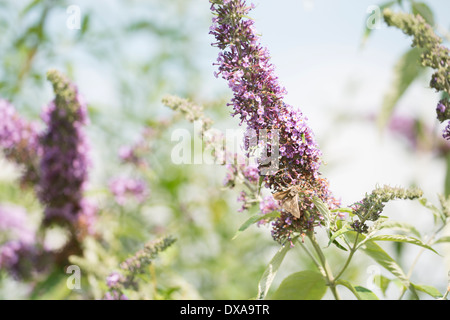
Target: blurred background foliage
[{"x": 125, "y": 57}]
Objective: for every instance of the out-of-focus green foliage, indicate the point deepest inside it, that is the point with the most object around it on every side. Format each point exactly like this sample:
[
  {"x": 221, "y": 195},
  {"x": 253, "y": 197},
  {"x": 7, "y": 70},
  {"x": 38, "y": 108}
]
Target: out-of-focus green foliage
[
  {"x": 408, "y": 69},
  {"x": 125, "y": 57}
]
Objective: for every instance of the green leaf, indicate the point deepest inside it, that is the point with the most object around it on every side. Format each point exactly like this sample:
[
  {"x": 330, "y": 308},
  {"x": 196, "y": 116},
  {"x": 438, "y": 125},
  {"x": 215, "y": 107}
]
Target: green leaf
[
  {"x": 430, "y": 290},
  {"x": 442, "y": 240},
  {"x": 346, "y": 210},
  {"x": 254, "y": 219},
  {"x": 360, "y": 293},
  {"x": 85, "y": 24},
  {"x": 53, "y": 287},
  {"x": 406, "y": 71},
  {"x": 374, "y": 251},
  {"x": 346, "y": 228},
  {"x": 382, "y": 282},
  {"x": 270, "y": 272},
  {"x": 424, "y": 10},
  {"x": 337, "y": 244},
  {"x": 304, "y": 285},
  {"x": 365, "y": 293},
  {"x": 349, "y": 286},
  {"x": 438, "y": 214},
  {"x": 29, "y": 7},
  {"x": 323, "y": 209},
  {"x": 401, "y": 238},
  {"x": 260, "y": 182},
  {"x": 402, "y": 226}
]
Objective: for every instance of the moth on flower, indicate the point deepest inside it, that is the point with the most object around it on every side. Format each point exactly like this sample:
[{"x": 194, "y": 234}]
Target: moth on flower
[{"x": 289, "y": 200}]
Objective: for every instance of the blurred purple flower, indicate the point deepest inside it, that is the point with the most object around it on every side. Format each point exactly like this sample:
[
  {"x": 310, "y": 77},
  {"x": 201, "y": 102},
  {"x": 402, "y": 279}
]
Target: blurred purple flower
[
  {"x": 10, "y": 253},
  {"x": 88, "y": 216},
  {"x": 123, "y": 188},
  {"x": 268, "y": 205},
  {"x": 17, "y": 256},
  {"x": 22, "y": 259},
  {"x": 113, "y": 279},
  {"x": 114, "y": 295},
  {"x": 244, "y": 200},
  {"x": 126, "y": 154},
  {"x": 230, "y": 175},
  {"x": 446, "y": 132},
  {"x": 419, "y": 135},
  {"x": 441, "y": 108},
  {"x": 19, "y": 141},
  {"x": 64, "y": 165},
  {"x": 134, "y": 154},
  {"x": 238, "y": 168},
  {"x": 14, "y": 221},
  {"x": 406, "y": 127},
  {"x": 251, "y": 173}
]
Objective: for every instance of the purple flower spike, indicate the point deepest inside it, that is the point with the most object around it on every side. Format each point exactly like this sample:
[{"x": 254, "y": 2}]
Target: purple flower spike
[
  {"x": 258, "y": 102},
  {"x": 65, "y": 162}
]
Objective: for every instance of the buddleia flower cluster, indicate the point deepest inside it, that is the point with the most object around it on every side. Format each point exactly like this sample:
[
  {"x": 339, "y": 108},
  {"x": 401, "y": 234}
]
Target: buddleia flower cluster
[
  {"x": 133, "y": 267},
  {"x": 20, "y": 255},
  {"x": 55, "y": 160},
  {"x": 434, "y": 55},
  {"x": 65, "y": 162},
  {"x": 55, "y": 164},
  {"x": 371, "y": 207},
  {"x": 20, "y": 142},
  {"x": 238, "y": 169},
  {"x": 258, "y": 102}
]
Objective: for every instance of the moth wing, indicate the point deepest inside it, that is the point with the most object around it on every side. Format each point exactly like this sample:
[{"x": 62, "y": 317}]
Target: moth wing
[
  {"x": 280, "y": 195},
  {"x": 291, "y": 205}
]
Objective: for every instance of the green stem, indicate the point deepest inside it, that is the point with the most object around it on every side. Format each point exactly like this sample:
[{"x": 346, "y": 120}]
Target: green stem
[
  {"x": 413, "y": 265},
  {"x": 324, "y": 264},
  {"x": 350, "y": 256},
  {"x": 314, "y": 260},
  {"x": 446, "y": 294},
  {"x": 447, "y": 176}
]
